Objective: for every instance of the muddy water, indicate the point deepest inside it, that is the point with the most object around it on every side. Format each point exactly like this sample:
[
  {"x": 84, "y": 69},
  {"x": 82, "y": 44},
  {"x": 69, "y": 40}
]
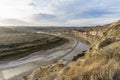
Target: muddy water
[{"x": 80, "y": 47}]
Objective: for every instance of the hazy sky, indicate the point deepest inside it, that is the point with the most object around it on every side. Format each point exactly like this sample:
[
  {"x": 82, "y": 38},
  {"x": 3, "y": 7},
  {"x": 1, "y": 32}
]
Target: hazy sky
[{"x": 58, "y": 12}]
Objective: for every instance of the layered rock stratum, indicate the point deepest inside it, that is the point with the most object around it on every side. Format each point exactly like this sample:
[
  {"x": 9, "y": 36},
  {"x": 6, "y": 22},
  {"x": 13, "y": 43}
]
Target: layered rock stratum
[{"x": 100, "y": 62}]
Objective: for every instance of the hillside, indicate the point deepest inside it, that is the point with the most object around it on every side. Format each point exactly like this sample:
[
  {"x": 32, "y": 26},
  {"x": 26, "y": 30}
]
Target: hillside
[
  {"x": 100, "y": 62},
  {"x": 17, "y": 45}
]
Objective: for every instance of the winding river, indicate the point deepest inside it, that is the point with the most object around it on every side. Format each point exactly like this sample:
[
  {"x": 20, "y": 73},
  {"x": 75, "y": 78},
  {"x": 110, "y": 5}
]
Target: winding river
[{"x": 24, "y": 66}]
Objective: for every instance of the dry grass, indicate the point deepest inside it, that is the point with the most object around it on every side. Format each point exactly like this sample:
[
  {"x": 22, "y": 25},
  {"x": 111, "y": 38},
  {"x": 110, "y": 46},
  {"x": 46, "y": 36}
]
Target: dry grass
[{"x": 100, "y": 64}]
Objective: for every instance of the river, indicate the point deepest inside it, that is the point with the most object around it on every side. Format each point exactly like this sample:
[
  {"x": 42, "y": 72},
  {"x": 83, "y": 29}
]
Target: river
[{"x": 24, "y": 66}]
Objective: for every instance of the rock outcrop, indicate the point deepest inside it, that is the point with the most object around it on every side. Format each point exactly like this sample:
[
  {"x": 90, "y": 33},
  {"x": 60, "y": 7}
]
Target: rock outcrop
[{"x": 100, "y": 62}]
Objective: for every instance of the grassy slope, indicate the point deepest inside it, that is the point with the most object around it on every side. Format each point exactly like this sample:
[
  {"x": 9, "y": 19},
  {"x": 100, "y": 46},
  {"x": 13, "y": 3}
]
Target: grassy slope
[{"x": 100, "y": 62}]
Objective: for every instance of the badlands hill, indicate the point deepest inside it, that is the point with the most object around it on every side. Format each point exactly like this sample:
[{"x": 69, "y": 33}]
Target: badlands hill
[{"x": 100, "y": 62}]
